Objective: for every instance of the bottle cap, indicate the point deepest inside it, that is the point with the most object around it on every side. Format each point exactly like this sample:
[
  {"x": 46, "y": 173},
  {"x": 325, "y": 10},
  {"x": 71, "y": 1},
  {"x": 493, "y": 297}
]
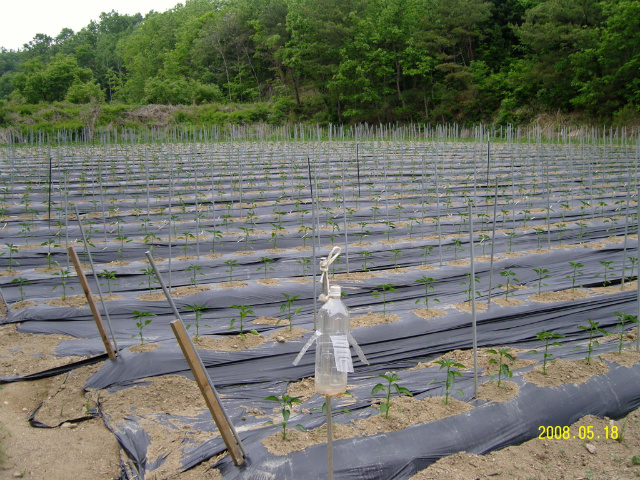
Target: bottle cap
[{"x": 335, "y": 291}]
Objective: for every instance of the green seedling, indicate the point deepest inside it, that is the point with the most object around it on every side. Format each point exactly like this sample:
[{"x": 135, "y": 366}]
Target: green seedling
[
  {"x": 469, "y": 290},
  {"x": 52, "y": 244},
  {"x": 396, "y": 254},
  {"x": 607, "y": 268},
  {"x": 245, "y": 237},
  {"x": 539, "y": 231},
  {"x": 562, "y": 229},
  {"x": 547, "y": 337},
  {"x": 426, "y": 281},
  {"x": 365, "y": 260},
  {"x": 511, "y": 242},
  {"x": 198, "y": 310},
  {"x": 593, "y": 329},
  {"x": 276, "y": 233},
  {"x": 575, "y": 266},
  {"x": 231, "y": 264},
  {"x": 186, "y": 236},
  {"x": 21, "y": 282},
  {"x": 428, "y": 249},
  {"x": 215, "y": 235},
  {"x": 286, "y": 403},
  {"x": 381, "y": 291},
  {"x": 583, "y": 227},
  {"x": 10, "y": 261},
  {"x": 390, "y": 227},
  {"x": 542, "y": 273},
  {"x": 305, "y": 234},
  {"x": 150, "y": 273},
  {"x": 122, "y": 239},
  {"x": 287, "y": 306},
  {"x": 305, "y": 263},
  {"x": 624, "y": 318},
  {"x": 142, "y": 320},
  {"x": 457, "y": 246},
  {"x": 452, "y": 372},
  {"x": 195, "y": 270},
  {"x": 632, "y": 267},
  {"x": 507, "y": 274},
  {"x": 108, "y": 275},
  {"x": 392, "y": 384},
  {"x": 484, "y": 241},
  {"x": 64, "y": 275},
  {"x": 243, "y": 313},
  {"x": 503, "y": 368},
  {"x": 265, "y": 265}
]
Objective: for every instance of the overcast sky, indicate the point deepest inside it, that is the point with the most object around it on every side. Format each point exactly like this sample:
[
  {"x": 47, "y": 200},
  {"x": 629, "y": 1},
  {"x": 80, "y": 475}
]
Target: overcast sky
[{"x": 20, "y": 20}]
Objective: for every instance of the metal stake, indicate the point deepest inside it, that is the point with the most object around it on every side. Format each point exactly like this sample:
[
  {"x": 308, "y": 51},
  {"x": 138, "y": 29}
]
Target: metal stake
[
  {"x": 473, "y": 306},
  {"x": 95, "y": 277},
  {"x": 493, "y": 243},
  {"x": 329, "y": 438}
]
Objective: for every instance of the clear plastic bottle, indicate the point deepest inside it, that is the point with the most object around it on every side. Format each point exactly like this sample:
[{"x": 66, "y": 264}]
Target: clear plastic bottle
[{"x": 333, "y": 320}]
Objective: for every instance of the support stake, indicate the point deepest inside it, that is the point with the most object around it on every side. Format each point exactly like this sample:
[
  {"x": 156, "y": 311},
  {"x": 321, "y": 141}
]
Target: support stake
[
  {"x": 228, "y": 434},
  {"x": 473, "y": 306},
  {"x": 92, "y": 305},
  {"x": 4, "y": 307},
  {"x": 329, "y": 438}
]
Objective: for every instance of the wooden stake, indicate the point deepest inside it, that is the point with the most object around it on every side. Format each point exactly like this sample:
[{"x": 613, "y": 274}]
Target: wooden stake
[
  {"x": 206, "y": 388},
  {"x": 4, "y": 308},
  {"x": 92, "y": 305}
]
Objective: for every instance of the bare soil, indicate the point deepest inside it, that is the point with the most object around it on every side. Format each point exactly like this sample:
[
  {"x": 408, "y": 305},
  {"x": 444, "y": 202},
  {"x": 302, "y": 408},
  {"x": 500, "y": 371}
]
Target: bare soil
[
  {"x": 491, "y": 392},
  {"x": 562, "y": 459},
  {"x": 404, "y": 412},
  {"x": 232, "y": 343},
  {"x": 370, "y": 319},
  {"x": 561, "y": 296},
  {"x": 428, "y": 312},
  {"x": 562, "y": 371},
  {"x": 26, "y": 353},
  {"x": 508, "y": 302},
  {"x": 467, "y": 307}
]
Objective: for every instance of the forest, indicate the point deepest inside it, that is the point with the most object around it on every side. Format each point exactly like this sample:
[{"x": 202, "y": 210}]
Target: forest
[{"x": 346, "y": 61}]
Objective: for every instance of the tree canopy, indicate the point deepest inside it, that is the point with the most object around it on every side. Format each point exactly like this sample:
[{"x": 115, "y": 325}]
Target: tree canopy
[{"x": 349, "y": 60}]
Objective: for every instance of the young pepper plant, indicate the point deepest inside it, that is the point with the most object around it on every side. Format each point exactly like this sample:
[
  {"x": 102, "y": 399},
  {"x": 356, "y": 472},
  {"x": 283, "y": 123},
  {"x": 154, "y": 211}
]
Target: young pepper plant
[
  {"x": 243, "y": 312},
  {"x": 546, "y": 337},
  {"x": 593, "y": 329},
  {"x": 392, "y": 384},
  {"x": 382, "y": 292},
  {"x": 286, "y": 402},
  {"x": 287, "y": 305},
  {"x": 427, "y": 282},
  {"x": 142, "y": 320},
  {"x": 198, "y": 310},
  {"x": 452, "y": 372},
  {"x": 503, "y": 368},
  {"x": 624, "y": 317}
]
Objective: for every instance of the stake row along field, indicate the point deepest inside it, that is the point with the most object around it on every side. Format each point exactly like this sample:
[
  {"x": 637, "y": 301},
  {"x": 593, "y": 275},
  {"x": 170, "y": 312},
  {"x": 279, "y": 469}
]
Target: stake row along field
[{"x": 532, "y": 236}]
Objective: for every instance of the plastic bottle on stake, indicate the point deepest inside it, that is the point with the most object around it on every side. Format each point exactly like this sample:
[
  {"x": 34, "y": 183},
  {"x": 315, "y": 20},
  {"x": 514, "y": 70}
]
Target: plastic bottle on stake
[{"x": 333, "y": 358}]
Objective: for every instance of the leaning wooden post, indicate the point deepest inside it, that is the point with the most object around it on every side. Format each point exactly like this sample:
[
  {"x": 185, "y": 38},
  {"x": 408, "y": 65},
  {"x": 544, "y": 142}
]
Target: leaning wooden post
[
  {"x": 92, "y": 305},
  {"x": 234, "y": 446},
  {"x": 4, "y": 307}
]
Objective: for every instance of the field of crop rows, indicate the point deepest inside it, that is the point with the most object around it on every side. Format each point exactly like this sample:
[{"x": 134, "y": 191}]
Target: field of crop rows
[{"x": 518, "y": 236}]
